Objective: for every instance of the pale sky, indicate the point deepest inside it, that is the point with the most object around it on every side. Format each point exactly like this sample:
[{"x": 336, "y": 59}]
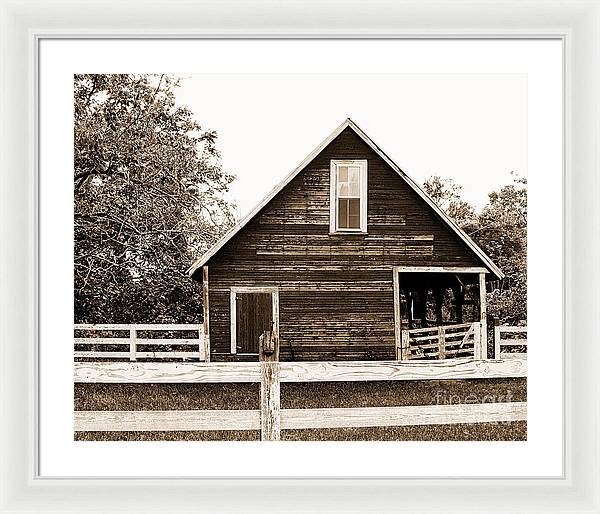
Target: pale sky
[{"x": 468, "y": 127}]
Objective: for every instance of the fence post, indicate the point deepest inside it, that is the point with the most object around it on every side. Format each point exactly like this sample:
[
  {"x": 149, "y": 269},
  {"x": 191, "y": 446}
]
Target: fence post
[
  {"x": 442, "y": 343},
  {"x": 132, "y": 343},
  {"x": 496, "y": 342},
  {"x": 270, "y": 419},
  {"x": 204, "y": 346},
  {"x": 270, "y": 398},
  {"x": 477, "y": 340},
  {"x": 405, "y": 346},
  {"x": 205, "y": 314},
  {"x": 483, "y": 315}
]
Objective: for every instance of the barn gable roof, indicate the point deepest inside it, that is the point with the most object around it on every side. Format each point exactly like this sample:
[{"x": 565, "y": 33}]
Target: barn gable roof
[{"x": 348, "y": 123}]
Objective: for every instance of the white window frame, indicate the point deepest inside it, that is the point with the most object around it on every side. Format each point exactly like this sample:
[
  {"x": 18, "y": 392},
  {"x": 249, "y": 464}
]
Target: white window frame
[
  {"x": 274, "y": 291},
  {"x": 333, "y": 196}
]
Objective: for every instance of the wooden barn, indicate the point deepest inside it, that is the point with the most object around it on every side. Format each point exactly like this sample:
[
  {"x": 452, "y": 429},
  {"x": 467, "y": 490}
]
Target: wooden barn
[{"x": 346, "y": 259}]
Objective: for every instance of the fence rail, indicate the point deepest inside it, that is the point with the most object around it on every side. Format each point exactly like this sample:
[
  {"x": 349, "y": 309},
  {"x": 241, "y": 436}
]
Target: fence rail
[
  {"x": 337, "y": 371},
  {"x": 443, "y": 342},
  {"x": 511, "y": 339},
  {"x": 110, "y": 344},
  {"x": 271, "y": 419},
  {"x": 123, "y": 421}
]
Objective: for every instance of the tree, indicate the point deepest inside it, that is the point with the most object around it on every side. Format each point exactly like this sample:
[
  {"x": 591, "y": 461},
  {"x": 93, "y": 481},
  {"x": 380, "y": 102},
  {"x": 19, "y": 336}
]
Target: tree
[
  {"x": 502, "y": 234},
  {"x": 149, "y": 198},
  {"x": 446, "y": 193},
  {"x": 500, "y": 229}
]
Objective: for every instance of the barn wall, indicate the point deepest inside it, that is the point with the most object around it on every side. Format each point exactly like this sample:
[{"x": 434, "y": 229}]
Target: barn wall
[{"x": 336, "y": 294}]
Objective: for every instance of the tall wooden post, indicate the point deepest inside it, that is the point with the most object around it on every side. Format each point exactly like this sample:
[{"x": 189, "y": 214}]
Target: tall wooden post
[
  {"x": 496, "y": 342},
  {"x": 441, "y": 343},
  {"x": 206, "y": 314},
  {"x": 405, "y": 347},
  {"x": 397, "y": 313},
  {"x": 132, "y": 344},
  {"x": 483, "y": 315},
  {"x": 477, "y": 341},
  {"x": 270, "y": 397}
]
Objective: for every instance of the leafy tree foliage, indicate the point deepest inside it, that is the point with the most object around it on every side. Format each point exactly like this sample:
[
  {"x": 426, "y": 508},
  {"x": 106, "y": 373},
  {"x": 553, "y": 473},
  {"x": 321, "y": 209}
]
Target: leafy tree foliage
[
  {"x": 148, "y": 199},
  {"x": 500, "y": 229},
  {"x": 446, "y": 194},
  {"x": 502, "y": 234}
]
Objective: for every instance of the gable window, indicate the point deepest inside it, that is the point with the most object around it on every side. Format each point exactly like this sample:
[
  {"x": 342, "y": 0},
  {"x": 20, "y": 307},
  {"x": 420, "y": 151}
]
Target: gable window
[{"x": 348, "y": 196}]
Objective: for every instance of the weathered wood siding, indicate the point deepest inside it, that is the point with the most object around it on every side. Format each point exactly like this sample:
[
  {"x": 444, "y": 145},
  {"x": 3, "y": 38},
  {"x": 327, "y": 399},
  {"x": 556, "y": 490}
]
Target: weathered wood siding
[{"x": 336, "y": 294}]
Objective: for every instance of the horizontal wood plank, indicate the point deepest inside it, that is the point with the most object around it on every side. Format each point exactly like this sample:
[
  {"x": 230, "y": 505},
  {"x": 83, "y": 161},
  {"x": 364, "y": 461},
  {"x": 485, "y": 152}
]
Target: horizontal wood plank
[
  {"x": 422, "y": 330},
  {"x": 462, "y": 326},
  {"x": 127, "y": 341},
  {"x": 169, "y": 355},
  {"x": 166, "y": 372},
  {"x": 138, "y": 355},
  {"x": 504, "y": 329},
  {"x": 143, "y": 326},
  {"x": 102, "y": 340},
  {"x": 101, "y": 355},
  {"x": 120, "y": 421},
  {"x": 426, "y": 338},
  {"x": 166, "y": 421},
  {"x": 342, "y": 371},
  {"x": 349, "y": 371},
  {"x": 441, "y": 269},
  {"x": 513, "y": 342},
  {"x": 403, "y": 416},
  {"x": 513, "y": 355},
  {"x": 182, "y": 342}
]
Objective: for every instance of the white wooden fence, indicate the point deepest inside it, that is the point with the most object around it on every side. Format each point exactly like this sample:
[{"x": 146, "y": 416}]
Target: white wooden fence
[
  {"x": 104, "y": 344},
  {"x": 443, "y": 342},
  {"x": 510, "y": 342},
  {"x": 271, "y": 419}
]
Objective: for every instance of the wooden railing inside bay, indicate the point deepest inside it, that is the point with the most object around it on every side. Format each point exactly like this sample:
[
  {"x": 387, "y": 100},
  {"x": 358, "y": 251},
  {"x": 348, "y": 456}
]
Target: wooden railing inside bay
[
  {"x": 123, "y": 342},
  {"x": 443, "y": 342},
  {"x": 510, "y": 342},
  {"x": 270, "y": 419}
]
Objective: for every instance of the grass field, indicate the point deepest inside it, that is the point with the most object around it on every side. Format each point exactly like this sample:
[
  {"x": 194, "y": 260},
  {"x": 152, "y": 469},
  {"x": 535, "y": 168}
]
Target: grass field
[{"x": 310, "y": 395}]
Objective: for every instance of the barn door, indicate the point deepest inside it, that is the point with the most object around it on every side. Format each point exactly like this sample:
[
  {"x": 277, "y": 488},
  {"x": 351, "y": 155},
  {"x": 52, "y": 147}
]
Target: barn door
[{"x": 254, "y": 315}]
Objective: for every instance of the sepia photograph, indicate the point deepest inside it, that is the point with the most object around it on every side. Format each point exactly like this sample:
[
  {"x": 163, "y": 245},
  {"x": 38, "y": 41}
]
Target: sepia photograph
[{"x": 300, "y": 257}]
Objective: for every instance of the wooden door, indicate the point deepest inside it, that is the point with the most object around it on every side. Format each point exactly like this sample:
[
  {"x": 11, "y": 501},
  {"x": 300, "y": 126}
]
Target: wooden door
[{"x": 254, "y": 315}]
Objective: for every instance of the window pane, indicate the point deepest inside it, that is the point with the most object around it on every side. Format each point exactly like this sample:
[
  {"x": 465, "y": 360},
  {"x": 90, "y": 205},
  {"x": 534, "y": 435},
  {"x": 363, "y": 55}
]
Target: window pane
[
  {"x": 342, "y": 181},
  {"x": 354, "y": 213},
  {"x": 342, "y": 213},
  {"x": 353, "y": 222},
  {"x": 354, "y": 189},
  {"x": 354, "y": 181},
  {"x": 354, "y": 206}
]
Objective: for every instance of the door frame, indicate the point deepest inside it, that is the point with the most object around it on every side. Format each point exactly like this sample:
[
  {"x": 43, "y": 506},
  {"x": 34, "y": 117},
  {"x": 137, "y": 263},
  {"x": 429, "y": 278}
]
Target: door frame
[
  {"x": 477, "y": 270},
  {"x": 274, "y": 290}
]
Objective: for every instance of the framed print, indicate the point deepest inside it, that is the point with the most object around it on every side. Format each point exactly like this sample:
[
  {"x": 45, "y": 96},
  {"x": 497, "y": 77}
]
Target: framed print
[
  {"x": 232, "y": 318},
  {"x": 334, "y": 260}
]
